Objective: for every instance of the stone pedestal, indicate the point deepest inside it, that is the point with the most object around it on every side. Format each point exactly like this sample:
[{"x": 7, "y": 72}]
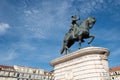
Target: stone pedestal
[{"x": 85, "y": 64}]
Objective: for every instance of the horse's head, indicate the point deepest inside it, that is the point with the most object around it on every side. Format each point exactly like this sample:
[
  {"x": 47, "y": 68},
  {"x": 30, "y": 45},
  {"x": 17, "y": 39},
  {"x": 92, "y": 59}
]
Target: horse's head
[{"x": 91, "y": 21}]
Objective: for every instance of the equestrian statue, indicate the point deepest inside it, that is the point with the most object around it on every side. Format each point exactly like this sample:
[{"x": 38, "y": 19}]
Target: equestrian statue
[{"x": 78, "y": 33}]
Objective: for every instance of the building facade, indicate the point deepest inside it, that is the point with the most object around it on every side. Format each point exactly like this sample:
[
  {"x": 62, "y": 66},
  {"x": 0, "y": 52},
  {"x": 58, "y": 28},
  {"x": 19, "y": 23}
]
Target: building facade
[
  {"x": 115, "y": 73},
  {"x": 24, "y": 73}
]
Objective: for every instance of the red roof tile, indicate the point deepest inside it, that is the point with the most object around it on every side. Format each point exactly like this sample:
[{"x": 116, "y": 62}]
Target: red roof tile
[
  {"x": 6, "y": 67},
  {"x": 115, "y": 69}
]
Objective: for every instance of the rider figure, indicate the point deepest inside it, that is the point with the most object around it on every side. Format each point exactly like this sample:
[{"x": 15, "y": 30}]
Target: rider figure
[{"x": 73, "y": 24}]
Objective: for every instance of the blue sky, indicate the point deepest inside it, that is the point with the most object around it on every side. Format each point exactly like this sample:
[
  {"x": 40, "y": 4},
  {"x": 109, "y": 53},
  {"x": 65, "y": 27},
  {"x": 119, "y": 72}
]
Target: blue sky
[{"x": 31, "y": 31}]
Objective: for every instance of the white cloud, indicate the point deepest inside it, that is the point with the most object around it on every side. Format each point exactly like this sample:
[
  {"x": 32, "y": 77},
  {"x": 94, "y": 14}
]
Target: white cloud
[
  {"x": 43, "y": 18},
  {"x": 40, "y": 20},
  {"x": 27, "y": 12},
  {"x": 9, "y": 55},
  {"x": 36, "y": 32},
  {"x": 3, "y": 27},
  {"x": 91, "y": 6},
  {"x": 25, "y": 46}
]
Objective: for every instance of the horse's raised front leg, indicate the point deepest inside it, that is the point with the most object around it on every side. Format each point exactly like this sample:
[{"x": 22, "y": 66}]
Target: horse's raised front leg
[{"x": 92, "y": 38}]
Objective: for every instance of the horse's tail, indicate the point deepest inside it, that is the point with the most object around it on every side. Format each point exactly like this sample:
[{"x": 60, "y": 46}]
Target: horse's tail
[
  {"x": 62, "y": 50},
  {"x": 66, "y": 38}
]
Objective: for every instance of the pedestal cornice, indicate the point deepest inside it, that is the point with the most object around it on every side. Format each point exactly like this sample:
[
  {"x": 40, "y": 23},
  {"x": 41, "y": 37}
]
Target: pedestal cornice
[{"x": 81, "y": 52}]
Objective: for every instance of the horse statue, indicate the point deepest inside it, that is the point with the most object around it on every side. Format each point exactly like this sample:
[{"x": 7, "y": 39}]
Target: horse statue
[{"x": 81, "y": 32}]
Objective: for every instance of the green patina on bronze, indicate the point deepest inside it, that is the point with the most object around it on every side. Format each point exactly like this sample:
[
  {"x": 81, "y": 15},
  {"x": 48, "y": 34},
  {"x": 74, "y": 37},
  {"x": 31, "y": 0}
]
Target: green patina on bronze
[{"x": 81, "y": 32}]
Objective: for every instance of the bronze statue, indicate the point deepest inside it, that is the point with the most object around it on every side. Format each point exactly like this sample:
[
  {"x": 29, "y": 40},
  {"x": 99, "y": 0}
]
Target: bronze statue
[{"x": 81, "y": 32}]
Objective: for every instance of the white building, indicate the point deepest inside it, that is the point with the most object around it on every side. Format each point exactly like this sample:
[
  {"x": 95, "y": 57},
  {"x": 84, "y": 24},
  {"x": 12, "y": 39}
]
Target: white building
[
  {"x": 23, "y": 73},
  {"x": 115, "y": 73}
]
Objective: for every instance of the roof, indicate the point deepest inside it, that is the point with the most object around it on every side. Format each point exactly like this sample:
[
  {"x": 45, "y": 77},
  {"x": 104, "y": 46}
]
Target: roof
[
  {"x": 115, "y": 69},
  {"x": 6, "y": 67}
]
